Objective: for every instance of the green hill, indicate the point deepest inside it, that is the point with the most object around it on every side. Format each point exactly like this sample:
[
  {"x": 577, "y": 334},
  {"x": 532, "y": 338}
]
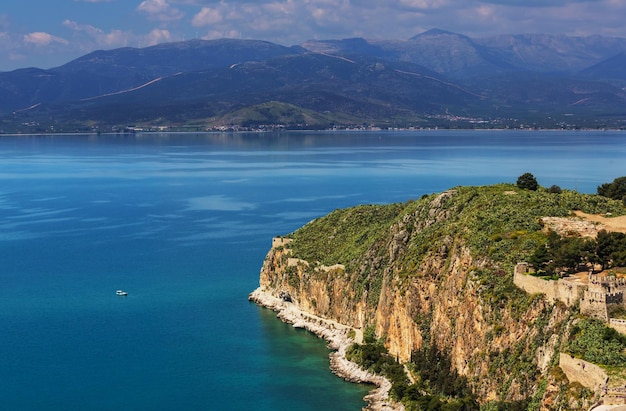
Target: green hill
[{"x": 430, "y": 284}]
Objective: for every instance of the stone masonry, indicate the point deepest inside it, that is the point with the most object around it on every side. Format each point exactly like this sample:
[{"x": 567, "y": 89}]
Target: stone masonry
[
  {"x": 601, "y": 295},
  {"x": 597, "y": 297}
]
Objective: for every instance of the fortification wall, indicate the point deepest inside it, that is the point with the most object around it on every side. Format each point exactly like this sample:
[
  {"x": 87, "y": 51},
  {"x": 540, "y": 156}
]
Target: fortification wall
[
  {"x": 593, "y": 304},
  {"x": 561, "y": 290},
  {"x": 618, "y": 325},
  {"x": 586, "y": 373},
  {"x": 531, "y": 284},
  {"x": 609, "y": 281},
  {"x": 615, "y": 298},
  {"x": 568, "y": 292},
  {"x": 280, "y": 242}
]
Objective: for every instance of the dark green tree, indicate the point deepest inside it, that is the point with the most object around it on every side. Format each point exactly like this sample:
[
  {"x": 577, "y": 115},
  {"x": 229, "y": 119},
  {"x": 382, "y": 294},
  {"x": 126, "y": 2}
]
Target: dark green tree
[
  {"x": 569, "y": 254},
  {"x": 610, "y": 249},
  {"x": 615, "y": 190},
  {"x": 554, "y": 189},
  {"x": 527, "y": 181},
  {"x": 563, "y": 253},
  {"x": 540, "y": 259}
]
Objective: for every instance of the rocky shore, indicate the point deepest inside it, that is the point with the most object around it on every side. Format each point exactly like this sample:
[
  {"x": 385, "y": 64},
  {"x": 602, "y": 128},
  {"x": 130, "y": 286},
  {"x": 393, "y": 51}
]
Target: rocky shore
[{"x": 338, "y": 337}]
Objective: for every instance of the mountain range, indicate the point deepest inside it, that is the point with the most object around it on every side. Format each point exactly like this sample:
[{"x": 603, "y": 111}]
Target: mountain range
[{"x": 434, "y": 79}]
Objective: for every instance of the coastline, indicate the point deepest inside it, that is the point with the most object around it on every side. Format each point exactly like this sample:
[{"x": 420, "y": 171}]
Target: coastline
[{"x": 337, "y": 336}]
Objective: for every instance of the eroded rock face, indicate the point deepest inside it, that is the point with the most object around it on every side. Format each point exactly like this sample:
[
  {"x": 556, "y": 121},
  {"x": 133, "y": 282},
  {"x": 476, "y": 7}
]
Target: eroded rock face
[
  {"x": 463, "y": 304},
  {"x": 444, "y": 304}
]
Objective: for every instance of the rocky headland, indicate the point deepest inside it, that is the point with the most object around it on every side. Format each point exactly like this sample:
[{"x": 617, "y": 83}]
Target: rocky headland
[{"x": 432, "y": 280}]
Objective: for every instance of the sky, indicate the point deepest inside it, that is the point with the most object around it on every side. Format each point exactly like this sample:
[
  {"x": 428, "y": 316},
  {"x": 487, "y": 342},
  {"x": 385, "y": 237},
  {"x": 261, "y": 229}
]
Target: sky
[{"x": 49, "y": 33}]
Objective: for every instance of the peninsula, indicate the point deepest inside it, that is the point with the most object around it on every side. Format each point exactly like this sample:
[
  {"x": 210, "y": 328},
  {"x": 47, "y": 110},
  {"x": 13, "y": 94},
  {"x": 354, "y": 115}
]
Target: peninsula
[{"x": 419, "y": 298}]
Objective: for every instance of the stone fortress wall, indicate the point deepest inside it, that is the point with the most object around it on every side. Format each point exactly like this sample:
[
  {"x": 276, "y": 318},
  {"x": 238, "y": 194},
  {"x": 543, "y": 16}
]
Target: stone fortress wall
[
  {"x": 280, "y": 241},
  {"x": 596, "y": 297},
  {"x": 586, "y": 373},
  {"x": 618, "y": 324},
  {"x": 567, "y": 291},
  {"x": 601, "y": 294}
]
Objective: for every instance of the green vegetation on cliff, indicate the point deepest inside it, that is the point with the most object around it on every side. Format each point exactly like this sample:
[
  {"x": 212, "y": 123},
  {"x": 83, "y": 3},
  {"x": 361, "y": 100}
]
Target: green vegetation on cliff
[
  {"x": 500, "y": 221},
  {"x": 434, "y": 278},
  {"x": 593, "y": 341},
  {"x": 566, "y": 254},
  {"x": 344, "y": 235},
  {"x": 439, "y": 387}
]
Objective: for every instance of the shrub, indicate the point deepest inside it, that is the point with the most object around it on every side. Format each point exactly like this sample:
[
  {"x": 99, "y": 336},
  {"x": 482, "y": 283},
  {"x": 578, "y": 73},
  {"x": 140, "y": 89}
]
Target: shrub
[
  {"x": 554, "y": 189},
  {"x": 593, "y": 341},
  {"x": 527, "y": 181},
  {"x": 615, "y": 190}
]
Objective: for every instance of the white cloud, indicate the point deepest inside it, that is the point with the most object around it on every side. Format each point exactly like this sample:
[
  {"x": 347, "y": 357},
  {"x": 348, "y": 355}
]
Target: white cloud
[
  {"x": 206, "y": 17},
  {"x": 96, "y": 37},
  {"x": 88, "y": 37},
  {"x": 40, "y": 38},
  {"x": 158, "y": 36},
  {"x": 153, "y": 6},
  {"x": 282, "y": 21},
  {"x": 294, "y": 21},
  {"x": 86, "y": 28},
  {"x": 159, "y": 10}
]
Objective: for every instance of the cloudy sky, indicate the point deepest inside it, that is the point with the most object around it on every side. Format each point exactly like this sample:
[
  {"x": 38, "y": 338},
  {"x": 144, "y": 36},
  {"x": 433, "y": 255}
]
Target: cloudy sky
[{"x": 48, "y": 33}]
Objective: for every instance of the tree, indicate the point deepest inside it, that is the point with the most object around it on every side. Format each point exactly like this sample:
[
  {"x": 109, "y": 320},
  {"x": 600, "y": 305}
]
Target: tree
[
  {"x": 540, "y": 259},
  {"x": 562, "y": 254},
  {"x": 610, "y": 248},
  {"x": 527, "y": 181},
  {"x": 554, "y": 189},
  {"x": 615, "y": 190},
  {"x": 568, "y": 254}
]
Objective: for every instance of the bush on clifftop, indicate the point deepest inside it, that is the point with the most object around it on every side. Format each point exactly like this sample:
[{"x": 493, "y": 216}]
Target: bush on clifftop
[
  {"x": 615, "y": 190},
  {"x": 527, "y": 181}
]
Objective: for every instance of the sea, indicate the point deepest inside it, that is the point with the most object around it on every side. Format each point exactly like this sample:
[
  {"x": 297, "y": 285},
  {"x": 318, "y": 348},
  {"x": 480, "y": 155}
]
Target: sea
[{"x": 182, "y": 222}]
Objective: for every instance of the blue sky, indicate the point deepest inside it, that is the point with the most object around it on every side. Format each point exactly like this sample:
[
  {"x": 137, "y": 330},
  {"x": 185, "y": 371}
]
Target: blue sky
[{"x": 48, "y": 33}]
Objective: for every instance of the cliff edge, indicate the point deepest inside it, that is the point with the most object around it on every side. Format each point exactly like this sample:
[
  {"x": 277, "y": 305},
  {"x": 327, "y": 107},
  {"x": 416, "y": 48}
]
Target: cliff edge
[{"x": 432, "y": 281}]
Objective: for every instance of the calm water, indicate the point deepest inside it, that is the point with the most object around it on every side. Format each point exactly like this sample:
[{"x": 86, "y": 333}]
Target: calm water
[{"x": 183, "y": 222}]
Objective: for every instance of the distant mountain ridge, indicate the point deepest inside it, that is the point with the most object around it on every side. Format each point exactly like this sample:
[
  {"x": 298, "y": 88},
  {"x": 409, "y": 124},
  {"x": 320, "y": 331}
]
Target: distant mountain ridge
[
  {"x": 457, "y": 55},
  {"x": 102, "y": 72},
  {"x": 434, "y": 78},
  {"x": 612, "y": 69}
]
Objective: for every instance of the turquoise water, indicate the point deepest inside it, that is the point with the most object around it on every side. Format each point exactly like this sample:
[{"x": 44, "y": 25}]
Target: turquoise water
[{"x": 182, "y": 222}]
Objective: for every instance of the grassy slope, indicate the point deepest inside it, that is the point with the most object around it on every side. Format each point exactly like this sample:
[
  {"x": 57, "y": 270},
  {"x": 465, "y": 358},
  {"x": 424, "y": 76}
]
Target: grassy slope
[{"x": 499, "y": 221}]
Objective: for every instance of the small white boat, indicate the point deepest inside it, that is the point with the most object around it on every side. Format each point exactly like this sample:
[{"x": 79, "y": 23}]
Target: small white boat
[{"x": 121, "y": 292}]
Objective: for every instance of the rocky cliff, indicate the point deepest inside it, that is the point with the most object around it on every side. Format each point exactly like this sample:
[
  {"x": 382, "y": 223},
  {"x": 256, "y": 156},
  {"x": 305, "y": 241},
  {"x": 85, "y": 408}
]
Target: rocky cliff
[{"x": 436, "y": 275}]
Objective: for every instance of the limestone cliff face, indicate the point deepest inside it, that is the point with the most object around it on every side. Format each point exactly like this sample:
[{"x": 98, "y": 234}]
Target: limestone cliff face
[{"x": 422, "y": 279}]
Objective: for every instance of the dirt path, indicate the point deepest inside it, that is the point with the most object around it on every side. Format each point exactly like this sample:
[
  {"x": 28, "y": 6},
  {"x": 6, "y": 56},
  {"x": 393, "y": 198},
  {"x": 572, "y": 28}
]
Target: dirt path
[{"x": 612, "y": 223}]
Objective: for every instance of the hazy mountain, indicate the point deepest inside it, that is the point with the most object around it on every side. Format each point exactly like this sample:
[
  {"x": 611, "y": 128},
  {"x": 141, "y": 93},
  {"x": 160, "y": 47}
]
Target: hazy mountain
[
  {"x": 553, "y": 53},
  {"x": 443, "y": 52},
  {"x": 363, "y": 90},
  {"x": 111, "y": 71},
  {"x": 434, "y": 75},
  {"x": 612, "y": 69},
  {"x": 459, "y": 56},
  {"x": 169, "y": 58}
]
